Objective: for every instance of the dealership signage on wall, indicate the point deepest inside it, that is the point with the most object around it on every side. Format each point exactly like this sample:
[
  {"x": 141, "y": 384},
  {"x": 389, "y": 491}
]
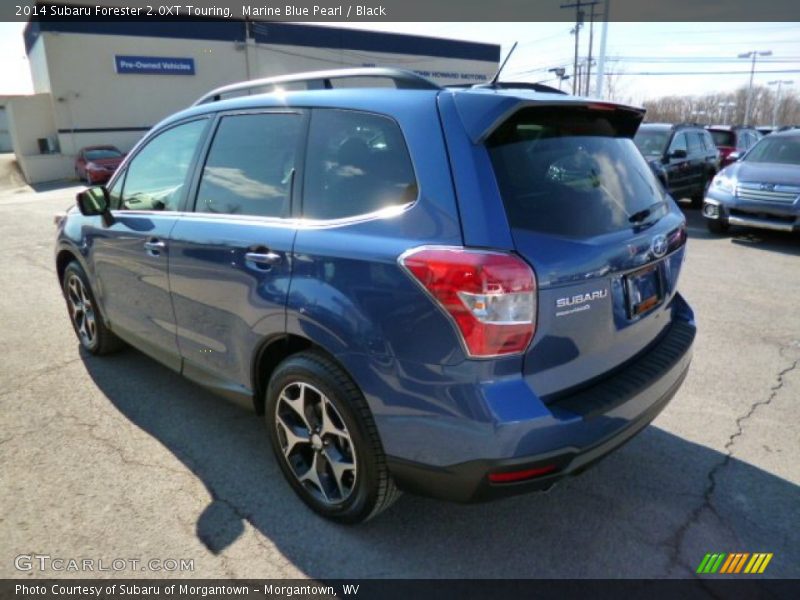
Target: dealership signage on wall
[{"x": 154, "y": 65}]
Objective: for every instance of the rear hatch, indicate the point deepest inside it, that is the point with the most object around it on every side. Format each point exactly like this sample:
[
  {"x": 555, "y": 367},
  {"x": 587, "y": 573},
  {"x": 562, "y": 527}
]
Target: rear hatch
[{"x": 605, "y": 241}]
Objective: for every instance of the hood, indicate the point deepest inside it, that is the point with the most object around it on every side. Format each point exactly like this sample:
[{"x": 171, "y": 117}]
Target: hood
[{"x": 764, "y": 172}]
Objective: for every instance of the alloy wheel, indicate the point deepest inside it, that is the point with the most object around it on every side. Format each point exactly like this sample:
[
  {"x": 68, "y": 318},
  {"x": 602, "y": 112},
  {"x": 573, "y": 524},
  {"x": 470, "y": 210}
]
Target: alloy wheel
[
  {"x": 315, "y": 443},
  {"x": 81, "y": 311}
]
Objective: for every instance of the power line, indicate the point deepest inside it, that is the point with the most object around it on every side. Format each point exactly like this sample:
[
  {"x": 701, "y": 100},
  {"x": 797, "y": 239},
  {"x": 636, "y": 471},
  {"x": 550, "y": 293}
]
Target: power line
[
  {"x": 642, "y": 73},
  {"x": 699, "y": 59},
  {"x": 748, "y": 30},
  {"x": 735, "y": 43}
]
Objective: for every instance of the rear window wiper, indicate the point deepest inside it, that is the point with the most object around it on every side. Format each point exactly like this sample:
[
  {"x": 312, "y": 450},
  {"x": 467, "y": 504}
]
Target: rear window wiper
[{"x": 641, "y": 215}]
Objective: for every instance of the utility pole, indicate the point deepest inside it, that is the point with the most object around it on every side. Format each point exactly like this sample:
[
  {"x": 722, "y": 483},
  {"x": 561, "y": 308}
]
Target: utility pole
[
  {"x": 591, "y": 42},
  {"x": 779, "y": 83},
  {"x": 601, "y": 60},
  {"x": 754, "y": 54},
  {"x": 578, "y": 5}
]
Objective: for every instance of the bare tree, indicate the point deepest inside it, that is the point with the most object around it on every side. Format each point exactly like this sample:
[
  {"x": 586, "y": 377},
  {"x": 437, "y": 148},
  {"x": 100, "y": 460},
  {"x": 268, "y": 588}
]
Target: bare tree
[
  {"x": 615, "y": 87},
  {"x": 719, "y": 108}
]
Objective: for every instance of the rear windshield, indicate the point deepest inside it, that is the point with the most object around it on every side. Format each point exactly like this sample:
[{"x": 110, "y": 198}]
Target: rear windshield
[
  {"x": 785, "y": 150},
  {"x": 723, "y": 138},
  {"x": 571, "y": 172},
  {"x": 651, "y": 142},
  {"x": 101, "y": 153}
]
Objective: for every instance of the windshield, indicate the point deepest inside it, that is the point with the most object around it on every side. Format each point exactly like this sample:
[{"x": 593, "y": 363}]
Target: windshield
[
  {"x": 565, "y": 171},
  {"x": 784, "y": 150},
  {"x": 723, "y": 138},
  {"x": 651, "y": 142},
  {"x": 101, "y": 153}
]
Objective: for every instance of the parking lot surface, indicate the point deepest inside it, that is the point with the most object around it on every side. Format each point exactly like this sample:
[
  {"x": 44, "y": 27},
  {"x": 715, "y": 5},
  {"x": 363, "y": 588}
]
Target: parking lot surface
[{"x": 118, "y": 457}]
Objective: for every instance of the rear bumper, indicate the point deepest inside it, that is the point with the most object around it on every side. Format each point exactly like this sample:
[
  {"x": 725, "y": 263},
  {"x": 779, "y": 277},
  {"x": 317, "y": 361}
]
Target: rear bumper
[{"x": 609, "y": 413}]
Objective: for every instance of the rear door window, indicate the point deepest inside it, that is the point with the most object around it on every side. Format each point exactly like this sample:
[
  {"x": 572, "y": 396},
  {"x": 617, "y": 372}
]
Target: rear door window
[
  {"x": 250, "y": 166},
  {"x": 357, "y": 163},
  {"x": 709, "y": 142},
  {"x": 572, "y": 173},
  {"x": 696, "y": 146}
]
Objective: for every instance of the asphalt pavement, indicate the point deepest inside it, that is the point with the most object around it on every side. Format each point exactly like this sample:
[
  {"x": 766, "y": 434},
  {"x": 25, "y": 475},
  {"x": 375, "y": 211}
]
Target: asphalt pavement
[{"x": 119, "y": 458}]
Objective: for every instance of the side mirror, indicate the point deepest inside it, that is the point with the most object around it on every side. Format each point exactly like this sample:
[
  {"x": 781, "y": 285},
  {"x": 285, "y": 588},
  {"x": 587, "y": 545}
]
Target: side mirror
[
  {"x": 679, "y": 153},
  {"x": 94, "y": 202},
  {"x": 734, "y": 156}
]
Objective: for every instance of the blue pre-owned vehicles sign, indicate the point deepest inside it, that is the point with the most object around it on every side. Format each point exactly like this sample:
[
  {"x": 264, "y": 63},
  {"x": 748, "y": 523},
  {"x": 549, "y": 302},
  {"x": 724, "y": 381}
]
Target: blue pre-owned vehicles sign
[{"x": 154, "y": 65}]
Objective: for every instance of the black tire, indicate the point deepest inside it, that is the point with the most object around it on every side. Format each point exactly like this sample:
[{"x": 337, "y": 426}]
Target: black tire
[
  {"x": 92, "y": 331},
  {"x": 717, "y": 226},
  {"x": 697, "y": 199},
  {"x": 369, "y": 486}
]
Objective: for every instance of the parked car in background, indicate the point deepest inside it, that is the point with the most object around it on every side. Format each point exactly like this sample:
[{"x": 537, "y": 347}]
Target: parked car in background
[
  {"x": 96, "y": 164},
  {"x": 683, "y": 157},
  {"x": 765, "y": 130},
  {"x": 761, "y": 189},
  {"x": 466, "y": 293},
  {"x": 733, "y": 139}
]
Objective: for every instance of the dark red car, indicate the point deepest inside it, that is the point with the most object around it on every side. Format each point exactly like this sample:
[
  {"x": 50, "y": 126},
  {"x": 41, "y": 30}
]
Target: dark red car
[
  {"x": 96, "y": 164},
  {"x": 733, "y": 139}
]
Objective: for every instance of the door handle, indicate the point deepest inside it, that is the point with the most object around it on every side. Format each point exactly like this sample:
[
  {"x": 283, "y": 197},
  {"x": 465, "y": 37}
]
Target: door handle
[
  {"x": 154, "y": 246},
  {"x": 263, "y": 258}
]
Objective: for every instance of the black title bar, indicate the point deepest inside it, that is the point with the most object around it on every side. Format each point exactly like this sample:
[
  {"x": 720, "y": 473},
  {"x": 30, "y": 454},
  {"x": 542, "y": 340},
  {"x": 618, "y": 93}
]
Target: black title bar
[{"x": 398, "y": 10}]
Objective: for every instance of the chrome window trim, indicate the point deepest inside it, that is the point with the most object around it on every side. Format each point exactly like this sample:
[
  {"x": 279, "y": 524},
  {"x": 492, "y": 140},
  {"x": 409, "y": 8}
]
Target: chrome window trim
[{"x": 291, "y": 222}]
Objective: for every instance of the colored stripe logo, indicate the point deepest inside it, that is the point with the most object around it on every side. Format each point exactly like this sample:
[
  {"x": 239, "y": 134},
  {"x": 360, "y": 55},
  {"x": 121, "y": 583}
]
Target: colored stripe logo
[{"x": 734, "y": 563}]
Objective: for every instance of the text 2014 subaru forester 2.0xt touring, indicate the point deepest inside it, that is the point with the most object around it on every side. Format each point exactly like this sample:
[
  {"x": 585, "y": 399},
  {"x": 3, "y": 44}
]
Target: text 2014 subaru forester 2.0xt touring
[{"x": 465, "y": 293}]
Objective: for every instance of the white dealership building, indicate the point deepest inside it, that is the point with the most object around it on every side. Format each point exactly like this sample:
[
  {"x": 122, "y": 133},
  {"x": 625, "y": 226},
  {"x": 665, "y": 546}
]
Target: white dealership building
[{"x": 108, "y": 82}]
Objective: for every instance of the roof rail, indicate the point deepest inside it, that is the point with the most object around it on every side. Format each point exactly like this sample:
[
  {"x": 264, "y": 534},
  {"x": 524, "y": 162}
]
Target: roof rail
[{"x": 407, "y": 80}]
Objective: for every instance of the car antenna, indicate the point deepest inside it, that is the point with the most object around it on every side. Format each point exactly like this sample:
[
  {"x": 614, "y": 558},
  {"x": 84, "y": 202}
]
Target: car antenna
[{"x": 493, "y": 82}]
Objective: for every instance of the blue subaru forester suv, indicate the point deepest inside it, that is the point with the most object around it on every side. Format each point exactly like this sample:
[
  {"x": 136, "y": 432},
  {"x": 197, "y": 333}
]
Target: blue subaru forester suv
[{"x": 464, "y": 293}]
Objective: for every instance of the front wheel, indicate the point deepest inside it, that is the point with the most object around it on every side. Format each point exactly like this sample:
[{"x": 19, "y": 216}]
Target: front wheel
[
  {"x": 325, "y": 440},
  {"x": 86, "y": 319}
]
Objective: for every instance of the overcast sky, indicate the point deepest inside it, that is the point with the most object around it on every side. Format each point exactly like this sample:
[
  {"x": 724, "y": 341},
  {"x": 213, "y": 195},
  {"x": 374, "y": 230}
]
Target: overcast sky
[{"x": 636, "y": 50}]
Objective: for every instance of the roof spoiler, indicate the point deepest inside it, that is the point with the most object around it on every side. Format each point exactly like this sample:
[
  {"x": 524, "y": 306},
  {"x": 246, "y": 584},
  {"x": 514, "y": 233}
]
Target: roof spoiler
[
  {"x": 482, "y": 114},
  {"x": 322, "y": 80}
]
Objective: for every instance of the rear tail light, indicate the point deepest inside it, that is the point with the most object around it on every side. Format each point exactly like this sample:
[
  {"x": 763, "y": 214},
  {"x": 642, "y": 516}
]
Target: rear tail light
[{"x": 491, "y": 296}]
